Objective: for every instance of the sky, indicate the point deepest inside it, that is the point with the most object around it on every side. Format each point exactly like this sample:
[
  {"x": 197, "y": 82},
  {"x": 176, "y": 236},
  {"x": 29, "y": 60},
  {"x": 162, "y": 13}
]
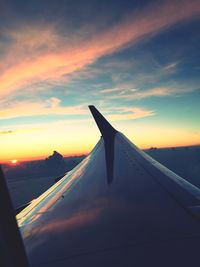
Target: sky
[{"x": 137, "y": 61}]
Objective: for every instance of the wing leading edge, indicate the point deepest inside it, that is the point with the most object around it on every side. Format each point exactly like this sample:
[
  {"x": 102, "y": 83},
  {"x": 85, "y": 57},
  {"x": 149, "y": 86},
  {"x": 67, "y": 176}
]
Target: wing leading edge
[{"x": 118, "y": 207}]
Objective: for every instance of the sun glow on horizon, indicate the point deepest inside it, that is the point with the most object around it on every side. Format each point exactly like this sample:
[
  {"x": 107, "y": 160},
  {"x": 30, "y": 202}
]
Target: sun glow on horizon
[{"x": 14, "y": 161}]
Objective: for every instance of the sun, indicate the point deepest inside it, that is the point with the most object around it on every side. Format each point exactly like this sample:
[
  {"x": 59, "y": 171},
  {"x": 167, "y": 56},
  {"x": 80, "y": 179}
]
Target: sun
[{"x": 14, "y": 161}]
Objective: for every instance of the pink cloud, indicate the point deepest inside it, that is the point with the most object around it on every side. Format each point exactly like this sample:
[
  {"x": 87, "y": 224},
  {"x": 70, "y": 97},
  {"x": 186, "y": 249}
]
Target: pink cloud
[{"x": 40, "y": 53}]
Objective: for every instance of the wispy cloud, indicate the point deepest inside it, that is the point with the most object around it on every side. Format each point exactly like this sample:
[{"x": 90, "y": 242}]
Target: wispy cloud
[
  {"x": 171, "y": 66},
  {"x": 7, "y": 132},
  {"x": 158, "y": 91},
  {"x": 137, "y": 93},
  {"x": 110, "y": 90},
  {"x": 120, "y": 90},
  {"x": 53, "y": 106},
  {"x": 50, "y": 106},
  {"x": 161, "y": 91},
  {"x": 128, "y": 113},
  {"x": 42, "y": 53}
]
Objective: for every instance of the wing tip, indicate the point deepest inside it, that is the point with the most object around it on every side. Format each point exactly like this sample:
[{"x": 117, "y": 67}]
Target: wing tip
[{"x": 104, "y": 126}]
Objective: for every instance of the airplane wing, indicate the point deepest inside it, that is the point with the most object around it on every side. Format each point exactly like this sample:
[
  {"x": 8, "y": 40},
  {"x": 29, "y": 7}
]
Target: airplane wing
[{"x": 118, "y": 207}]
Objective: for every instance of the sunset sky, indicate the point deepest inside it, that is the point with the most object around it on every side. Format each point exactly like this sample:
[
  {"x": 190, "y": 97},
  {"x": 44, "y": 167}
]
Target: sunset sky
[{"x": 137, "y": 61}]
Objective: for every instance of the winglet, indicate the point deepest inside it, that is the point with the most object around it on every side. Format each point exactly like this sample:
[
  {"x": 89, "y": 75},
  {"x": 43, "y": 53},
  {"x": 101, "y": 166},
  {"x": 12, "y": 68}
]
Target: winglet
[
  {"x": 104, "y": 126},
  {"x": 108, "y": 133}
]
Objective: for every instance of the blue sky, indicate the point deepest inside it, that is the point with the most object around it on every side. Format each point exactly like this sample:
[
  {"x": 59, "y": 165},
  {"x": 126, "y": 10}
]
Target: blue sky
[{"x": 137, "y": 61}]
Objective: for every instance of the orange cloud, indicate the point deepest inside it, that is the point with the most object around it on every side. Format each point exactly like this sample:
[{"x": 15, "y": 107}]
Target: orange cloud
[
  {"x": 130, "y": 114},
  {"x": 47, "y": 107},
  {"x": 40, "y": 53},
  {"x": 53, "y": 106}
]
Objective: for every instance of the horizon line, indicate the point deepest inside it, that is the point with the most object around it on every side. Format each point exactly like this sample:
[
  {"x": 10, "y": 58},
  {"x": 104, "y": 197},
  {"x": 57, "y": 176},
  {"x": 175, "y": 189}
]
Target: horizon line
[{"x": 85, "y": 154}]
